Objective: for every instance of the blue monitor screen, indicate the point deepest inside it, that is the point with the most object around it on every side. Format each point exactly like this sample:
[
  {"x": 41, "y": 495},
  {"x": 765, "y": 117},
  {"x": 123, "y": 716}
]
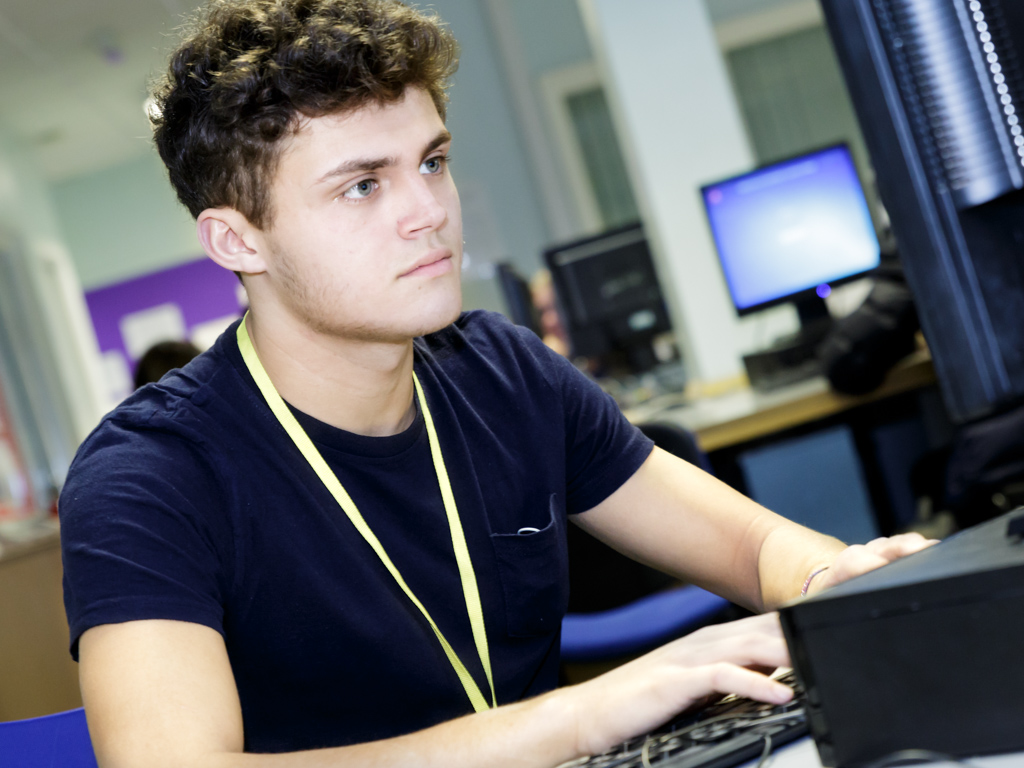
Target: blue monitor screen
[{"x": 791, "y": 227}]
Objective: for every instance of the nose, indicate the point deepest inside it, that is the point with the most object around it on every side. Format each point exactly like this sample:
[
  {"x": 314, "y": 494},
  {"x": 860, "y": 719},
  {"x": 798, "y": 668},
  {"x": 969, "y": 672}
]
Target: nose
[{"x": 422, "y": 208}]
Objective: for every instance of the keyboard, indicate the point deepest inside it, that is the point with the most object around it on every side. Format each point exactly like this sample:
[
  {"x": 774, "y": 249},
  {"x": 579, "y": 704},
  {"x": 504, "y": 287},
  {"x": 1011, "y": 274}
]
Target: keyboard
[{"x": 724, "y": 734}]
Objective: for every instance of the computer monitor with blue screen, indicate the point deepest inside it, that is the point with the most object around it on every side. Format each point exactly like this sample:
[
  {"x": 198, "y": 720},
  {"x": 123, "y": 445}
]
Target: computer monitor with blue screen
[{"x": 790, "y": 231}]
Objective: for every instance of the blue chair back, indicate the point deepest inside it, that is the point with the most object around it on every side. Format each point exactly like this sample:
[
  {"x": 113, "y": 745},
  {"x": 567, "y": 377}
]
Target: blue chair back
[
  {"x": 638, "y": 626},
  {"x": 593, "y": 631},
  {"x": 51, "y": 741}
]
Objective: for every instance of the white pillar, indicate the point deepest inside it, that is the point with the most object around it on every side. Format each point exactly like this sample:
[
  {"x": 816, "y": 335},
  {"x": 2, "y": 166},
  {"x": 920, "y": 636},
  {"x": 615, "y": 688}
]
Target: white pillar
[{"x": 675, "y": 111}]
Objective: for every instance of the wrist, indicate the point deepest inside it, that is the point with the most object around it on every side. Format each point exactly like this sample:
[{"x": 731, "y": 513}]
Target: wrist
[
  {"x": 558, "y": 719},
  {"x": 804, "y": 590},
  {"x": 568, "y": 705}
]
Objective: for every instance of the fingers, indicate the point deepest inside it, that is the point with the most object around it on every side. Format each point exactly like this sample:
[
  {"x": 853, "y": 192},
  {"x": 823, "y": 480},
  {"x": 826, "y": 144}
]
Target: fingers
[
  {"x": 650, "y": 690},
  {"x": 853, "y": 561},
  {"x": 904, "y": 544},
  {"x": 724, "y": 677},
  {"x": 861, "y": 558},
  {"x": 753, "y": 642}
]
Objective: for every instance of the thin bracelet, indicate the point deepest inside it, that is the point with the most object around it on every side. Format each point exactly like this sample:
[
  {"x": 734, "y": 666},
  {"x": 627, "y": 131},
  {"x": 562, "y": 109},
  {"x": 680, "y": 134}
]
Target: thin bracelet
[{"x": 807, "y": 581}]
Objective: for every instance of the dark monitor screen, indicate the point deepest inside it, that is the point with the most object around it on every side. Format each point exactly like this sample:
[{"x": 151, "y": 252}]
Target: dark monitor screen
[
  {"x": 516, "y": 292},
  {"x": 609, "y": 295},
  {"x": 792, "y": 228}
]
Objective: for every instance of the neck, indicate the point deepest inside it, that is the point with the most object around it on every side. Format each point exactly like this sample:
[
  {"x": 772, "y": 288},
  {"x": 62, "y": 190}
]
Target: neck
[{"x": 364, "y": 387}]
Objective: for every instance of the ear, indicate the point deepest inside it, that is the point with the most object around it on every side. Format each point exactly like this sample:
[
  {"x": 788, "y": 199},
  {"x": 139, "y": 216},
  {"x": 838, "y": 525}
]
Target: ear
[{"x": 230, "y": 240}]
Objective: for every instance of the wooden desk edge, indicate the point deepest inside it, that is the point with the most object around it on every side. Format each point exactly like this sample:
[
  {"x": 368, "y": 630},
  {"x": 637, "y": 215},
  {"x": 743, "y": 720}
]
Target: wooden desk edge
[
  {"x": 914, "y": 373},
  {"x": 12, "y": 549}
]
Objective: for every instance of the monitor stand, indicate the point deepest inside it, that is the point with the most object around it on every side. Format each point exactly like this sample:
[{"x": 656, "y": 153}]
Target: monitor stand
[
  {"x": 815, "y": 320},
  {"x": 641, "y": 357},
  {"x": 792, "y": 358}
]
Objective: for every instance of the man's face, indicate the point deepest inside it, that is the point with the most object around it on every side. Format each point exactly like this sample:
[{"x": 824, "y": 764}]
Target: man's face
[{"x": 366, "y": 241}]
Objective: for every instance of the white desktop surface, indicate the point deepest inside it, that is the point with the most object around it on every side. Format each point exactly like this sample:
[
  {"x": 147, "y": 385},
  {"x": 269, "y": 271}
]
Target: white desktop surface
[
  {"x": 706, "y": 412},
  {"x": 803, "y": 754},
  {"x": 747, "y": 414}
]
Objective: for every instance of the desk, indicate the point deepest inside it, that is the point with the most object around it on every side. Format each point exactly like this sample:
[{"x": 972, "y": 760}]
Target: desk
[
  {"x": 837, "y": 463},
  {"x": 37, "y": 673},
  {"x": 746, "y": 414},
  {"x": 803, "y": 754}
]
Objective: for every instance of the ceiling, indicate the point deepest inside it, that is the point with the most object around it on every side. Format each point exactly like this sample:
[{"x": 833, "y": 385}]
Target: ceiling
[
  {"x": 73, "y": 77},
  {"x": 74, "y": 73}
]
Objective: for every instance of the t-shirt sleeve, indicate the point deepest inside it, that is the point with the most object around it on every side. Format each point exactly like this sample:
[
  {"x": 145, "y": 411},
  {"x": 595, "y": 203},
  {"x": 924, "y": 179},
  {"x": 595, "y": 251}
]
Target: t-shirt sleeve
[
  {"x": 140, "y": 533},
  {"x": 603, "y": 449}
]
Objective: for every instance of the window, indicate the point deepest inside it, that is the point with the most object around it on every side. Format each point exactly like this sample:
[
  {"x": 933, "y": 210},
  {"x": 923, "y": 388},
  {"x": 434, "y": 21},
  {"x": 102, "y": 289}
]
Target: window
[{"x": 591, "y": 153}]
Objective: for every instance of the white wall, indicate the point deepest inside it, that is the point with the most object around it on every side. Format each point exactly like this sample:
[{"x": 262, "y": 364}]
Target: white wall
[
  {"x": 125, "y": 221},
  {"x": 25, "y": 203},
  {"x": 54, "y": 356},
  {"x": 674, "y": 107}
]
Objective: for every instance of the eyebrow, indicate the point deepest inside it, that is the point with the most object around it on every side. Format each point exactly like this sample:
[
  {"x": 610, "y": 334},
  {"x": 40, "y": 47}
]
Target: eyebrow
[{"x": 358, "y": 164}]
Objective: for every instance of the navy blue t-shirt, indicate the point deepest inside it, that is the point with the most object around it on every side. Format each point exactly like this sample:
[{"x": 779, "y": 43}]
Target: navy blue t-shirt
[{"x": 189, "y": 502}]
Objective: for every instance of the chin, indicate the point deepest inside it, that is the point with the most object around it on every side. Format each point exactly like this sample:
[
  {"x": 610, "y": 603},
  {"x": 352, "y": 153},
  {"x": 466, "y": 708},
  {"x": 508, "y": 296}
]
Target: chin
[
  {"x": 442, "y": 319},
  {"x": 427, "y": 320}
]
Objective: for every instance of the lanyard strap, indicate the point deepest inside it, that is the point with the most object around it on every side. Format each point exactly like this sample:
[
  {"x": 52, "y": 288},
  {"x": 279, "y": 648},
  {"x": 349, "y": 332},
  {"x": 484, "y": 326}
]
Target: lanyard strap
[{"x": 330, "y": 480}]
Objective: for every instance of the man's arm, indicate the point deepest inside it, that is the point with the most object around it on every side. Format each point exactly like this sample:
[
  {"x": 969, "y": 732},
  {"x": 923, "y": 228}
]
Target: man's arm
[
  {"x": 675, "y": 517},
  {"x": 161, "y": 693}
]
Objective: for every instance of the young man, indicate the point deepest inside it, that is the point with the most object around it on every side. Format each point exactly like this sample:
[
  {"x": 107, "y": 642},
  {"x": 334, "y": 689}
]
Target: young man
[{"x": 340, "y": 531}]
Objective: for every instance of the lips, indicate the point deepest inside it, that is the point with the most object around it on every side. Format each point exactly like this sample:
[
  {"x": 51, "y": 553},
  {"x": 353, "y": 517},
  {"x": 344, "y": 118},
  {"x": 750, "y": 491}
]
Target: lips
[{"x": 434, "y": 263}]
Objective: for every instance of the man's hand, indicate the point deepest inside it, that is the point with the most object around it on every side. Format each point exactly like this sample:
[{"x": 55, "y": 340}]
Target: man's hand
[
  {"x": 161, "y": 693},
  {"x": 861, "y": 558},
  {"x": 639, "y": 696}
]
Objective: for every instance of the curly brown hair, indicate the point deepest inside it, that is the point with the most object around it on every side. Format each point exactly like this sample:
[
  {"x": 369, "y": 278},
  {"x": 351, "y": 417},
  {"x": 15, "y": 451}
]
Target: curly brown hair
[{"x": 248, "y": 71}]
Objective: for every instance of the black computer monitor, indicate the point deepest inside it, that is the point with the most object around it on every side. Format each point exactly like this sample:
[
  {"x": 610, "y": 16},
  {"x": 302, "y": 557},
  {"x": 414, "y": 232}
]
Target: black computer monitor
[
  {"x": 516, "y": 292},
  {"x": 608, "y": 292},
  {"x": 790, "y": 231},
  {"x": 938, "y": 89}
]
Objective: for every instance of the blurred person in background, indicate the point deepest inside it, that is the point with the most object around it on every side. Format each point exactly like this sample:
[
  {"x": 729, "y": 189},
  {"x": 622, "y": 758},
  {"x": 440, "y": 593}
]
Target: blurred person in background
[{"x": 163, "y": 357}]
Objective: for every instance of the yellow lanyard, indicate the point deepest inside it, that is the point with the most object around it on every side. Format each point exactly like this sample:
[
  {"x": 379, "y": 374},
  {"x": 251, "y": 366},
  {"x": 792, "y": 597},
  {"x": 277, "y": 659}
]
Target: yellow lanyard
[{"x": 330, "y": 480}]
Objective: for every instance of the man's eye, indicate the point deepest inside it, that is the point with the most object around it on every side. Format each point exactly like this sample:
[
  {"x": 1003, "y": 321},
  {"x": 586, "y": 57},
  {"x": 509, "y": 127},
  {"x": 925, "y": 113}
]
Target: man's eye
[
  {"x": 360, "y": 189},
  {"x": 433, "y": 165}
]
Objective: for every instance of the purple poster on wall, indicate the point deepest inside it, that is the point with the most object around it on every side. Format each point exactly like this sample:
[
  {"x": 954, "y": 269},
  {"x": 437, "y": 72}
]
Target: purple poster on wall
[{"x": 195, "y": 301}]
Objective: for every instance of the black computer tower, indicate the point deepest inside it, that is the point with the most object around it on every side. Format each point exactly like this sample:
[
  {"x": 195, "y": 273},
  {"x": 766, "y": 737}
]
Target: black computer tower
[{"x": 926, "y": 653}]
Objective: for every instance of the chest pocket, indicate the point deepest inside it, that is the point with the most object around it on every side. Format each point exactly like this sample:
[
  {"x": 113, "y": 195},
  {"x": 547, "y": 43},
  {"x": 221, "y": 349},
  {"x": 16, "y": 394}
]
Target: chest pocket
[{"x": 534, "y": 571}]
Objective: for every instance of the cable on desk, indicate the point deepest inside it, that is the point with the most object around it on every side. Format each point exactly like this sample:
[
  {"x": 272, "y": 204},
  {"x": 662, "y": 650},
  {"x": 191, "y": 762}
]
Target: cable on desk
[{"x": 766, "y": 752}]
